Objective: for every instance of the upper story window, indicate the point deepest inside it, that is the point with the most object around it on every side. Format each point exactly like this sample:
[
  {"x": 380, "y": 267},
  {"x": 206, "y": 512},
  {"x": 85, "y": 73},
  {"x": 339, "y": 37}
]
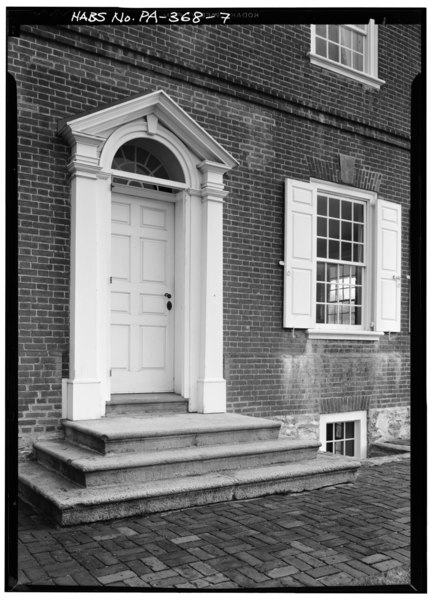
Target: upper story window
[{"x": 350, "y": 50}]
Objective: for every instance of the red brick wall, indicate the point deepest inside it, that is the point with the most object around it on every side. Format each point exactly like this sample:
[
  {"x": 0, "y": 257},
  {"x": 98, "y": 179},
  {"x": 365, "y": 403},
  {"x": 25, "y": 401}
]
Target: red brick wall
[{"x": 255, "y": 91}]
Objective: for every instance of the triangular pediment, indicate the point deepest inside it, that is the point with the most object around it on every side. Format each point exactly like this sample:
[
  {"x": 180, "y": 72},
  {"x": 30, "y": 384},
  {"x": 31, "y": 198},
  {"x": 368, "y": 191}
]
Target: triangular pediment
[{"x": 156, "y": 107}]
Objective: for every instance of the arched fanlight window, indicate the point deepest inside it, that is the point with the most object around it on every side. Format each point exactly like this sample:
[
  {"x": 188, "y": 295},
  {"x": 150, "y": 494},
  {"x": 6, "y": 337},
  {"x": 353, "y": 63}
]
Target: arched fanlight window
[{"x": 146, "y": 157}]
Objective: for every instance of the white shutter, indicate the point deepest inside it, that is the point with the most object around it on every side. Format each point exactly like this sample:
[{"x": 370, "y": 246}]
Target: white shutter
[
  {"x": 300, "y": 261},
  {"x": 388, "y": 266}
]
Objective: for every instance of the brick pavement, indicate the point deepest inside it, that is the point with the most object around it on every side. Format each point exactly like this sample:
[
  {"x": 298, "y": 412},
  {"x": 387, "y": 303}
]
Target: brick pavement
[{"x": 350, "y": 535}]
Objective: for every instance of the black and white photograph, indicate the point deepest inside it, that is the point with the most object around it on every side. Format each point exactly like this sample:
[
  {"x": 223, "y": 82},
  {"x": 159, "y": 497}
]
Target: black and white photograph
[{"x": 215, "y": 299}]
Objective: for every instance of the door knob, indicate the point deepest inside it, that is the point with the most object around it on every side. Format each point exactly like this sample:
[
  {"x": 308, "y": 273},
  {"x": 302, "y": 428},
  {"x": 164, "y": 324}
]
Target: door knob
[{"x": 167, "y": 295}]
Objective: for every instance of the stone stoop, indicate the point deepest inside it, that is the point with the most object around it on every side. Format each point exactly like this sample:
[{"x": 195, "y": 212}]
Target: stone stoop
[
  {"x": 123, "y": 466},
  {"x": 141, "y": 404}
]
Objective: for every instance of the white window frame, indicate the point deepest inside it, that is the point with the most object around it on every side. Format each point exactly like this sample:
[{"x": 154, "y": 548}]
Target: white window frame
[
  {"x": 331, "y": 330},
  {"x": 370, "y": 75},
  {"x": 360, "y": 430}
]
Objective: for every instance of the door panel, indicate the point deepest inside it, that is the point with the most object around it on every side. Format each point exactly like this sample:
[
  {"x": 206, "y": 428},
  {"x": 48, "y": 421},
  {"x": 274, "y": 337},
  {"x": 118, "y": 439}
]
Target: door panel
[{"x": 142, "y": 263}]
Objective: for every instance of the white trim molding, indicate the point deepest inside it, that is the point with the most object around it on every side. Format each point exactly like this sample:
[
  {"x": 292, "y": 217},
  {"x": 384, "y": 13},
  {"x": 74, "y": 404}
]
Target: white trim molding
[
  {"x": 325, "y": 334},
  {"x": 94, "y": 138}
]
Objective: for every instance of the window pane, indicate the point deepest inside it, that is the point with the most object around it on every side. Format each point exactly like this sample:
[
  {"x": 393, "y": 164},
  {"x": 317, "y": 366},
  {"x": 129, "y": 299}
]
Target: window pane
[
  {"x": 358, "y": 42},
  {"x": 346, "y": 251},
  {"x": 329, "y": 447},
  {"x": 334, "y": 204},
  {"x": 358, "y": 253},
  {"x": 346, "y": 210},
  {"x": 320, "y": 313},
  {"x": 333, "y": 250},
  {"x": 320, "y": 271},
  {"x": 344, "y": 315},
  {"x": 329, "y": 431},
  {"x": 349, "y": 429},
  {"x": 358, "y": 62},
  {"x": 322, "y": 205},
  {"x": 358, "y": 316},
  {"x": 321, "y": 47},
  {"x": 338, "y": 448},
  {"x": 346, "y": 37},
  {"x": 346, "y": 57},
  {"x": 358, "y": 212},
  {"x": 333, "y": 33},
  {"x": 358, "y": 232},
  {"x": 320, "y": 292},
  {"x": 333, "y": 52},
  {"x": 332, "y": 316},
  {"x": 321, "y": 248},
  {"x": 346, "y": 231},
  {"x": 321, "y": 30},
  {"x": 358, "y": 273},
  {"x": 358, "y": 295},
  {"x": 339, "y": 428},
  {"x": 349, "y": 448},
  {"x": 344, "y": 272},
  {"x": 322, "y": 227},
  {"x": 334, "y": 228}
]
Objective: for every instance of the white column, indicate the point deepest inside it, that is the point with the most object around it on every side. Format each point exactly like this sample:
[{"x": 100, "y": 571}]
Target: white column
[
  {"x": 84, "y": 393},
  {"x": 211, "y": 384}
]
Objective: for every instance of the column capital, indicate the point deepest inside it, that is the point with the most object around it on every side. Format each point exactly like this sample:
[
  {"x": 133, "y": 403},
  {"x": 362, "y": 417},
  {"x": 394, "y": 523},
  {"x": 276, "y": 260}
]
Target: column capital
[{"x": 212, "y": 174}]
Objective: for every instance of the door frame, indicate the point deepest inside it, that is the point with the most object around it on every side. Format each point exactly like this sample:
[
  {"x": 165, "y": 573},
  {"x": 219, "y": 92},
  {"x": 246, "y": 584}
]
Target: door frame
[{"x": 95, "y": 138}]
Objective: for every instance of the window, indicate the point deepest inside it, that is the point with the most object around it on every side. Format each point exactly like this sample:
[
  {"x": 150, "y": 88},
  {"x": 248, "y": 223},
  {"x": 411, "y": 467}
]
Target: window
[
  {"x": 350, "y": 50},
  {"x": 146, "y": 158},
  {"x": 344, "y": 433},
  {"x": 342, "y": 261}
]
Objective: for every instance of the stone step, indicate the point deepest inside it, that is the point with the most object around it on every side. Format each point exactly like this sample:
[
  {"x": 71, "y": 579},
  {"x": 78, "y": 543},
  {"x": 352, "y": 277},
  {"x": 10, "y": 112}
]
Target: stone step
[
  {"x": 137, "y": 404},
  {"x": 88, "y": 468},
  {"x": 69, "y": 504},
  {"x": 143, "y": 433}
]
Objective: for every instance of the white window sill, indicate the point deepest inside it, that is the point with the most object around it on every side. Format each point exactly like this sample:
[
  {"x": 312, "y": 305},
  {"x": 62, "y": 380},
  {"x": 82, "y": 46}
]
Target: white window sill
[
  {"x": 332, "y": 334},
  {"x": 363, "y": 78}
]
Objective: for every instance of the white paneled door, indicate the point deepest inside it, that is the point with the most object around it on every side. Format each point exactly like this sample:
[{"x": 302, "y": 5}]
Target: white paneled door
[{"x": 142, "y": 295}]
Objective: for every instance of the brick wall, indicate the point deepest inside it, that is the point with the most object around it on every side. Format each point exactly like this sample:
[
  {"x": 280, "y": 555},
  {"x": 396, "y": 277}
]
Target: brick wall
[{"x": 254, "y": 90}]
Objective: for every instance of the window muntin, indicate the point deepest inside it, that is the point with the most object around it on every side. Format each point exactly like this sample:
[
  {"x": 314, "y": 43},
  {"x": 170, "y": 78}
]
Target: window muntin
[
  {"x": 340, "y": 251},
  {"x": 343, "y": 44}
]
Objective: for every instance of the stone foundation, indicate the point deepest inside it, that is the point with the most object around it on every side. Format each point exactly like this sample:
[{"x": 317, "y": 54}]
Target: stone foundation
[
  {"x": 388, "y": 423},
  {"x": 300, "y": 427}
]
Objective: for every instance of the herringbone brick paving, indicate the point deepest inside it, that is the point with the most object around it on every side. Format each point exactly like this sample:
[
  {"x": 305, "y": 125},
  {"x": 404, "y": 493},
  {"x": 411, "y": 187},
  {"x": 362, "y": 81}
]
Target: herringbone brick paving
[{"x": 340, "y": 536}]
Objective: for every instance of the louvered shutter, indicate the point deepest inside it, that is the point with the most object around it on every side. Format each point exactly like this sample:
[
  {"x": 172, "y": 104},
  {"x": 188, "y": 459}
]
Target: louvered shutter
[
  {"x": 388, "y": 266},
  {"x": 300, "y": 256}
]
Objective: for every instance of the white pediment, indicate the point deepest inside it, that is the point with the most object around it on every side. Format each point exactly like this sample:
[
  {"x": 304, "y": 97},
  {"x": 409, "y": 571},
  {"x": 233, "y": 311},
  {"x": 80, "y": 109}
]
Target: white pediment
[{"x": 154, "y": 108}]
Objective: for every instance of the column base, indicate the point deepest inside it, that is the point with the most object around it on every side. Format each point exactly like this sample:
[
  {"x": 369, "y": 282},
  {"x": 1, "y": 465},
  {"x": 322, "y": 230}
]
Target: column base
[
  {"x": 211, "y": 395},
  {"x": 81, "y": 399}
]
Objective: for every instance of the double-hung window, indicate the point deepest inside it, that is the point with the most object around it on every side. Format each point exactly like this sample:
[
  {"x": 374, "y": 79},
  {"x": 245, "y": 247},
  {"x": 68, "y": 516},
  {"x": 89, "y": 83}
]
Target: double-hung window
[
  {"x": 342, "y": 261},
  {"x": 350, "y": 50}
]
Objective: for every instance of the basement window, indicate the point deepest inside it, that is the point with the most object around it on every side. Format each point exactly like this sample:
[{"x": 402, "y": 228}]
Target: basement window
[{"x": 344, "y": 433}]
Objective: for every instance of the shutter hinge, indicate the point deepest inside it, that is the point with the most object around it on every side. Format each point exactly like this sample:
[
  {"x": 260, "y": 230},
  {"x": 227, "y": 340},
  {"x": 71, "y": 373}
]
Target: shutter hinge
[
  {"x": 111, "y": 279},
  {"x": 110, "y": 372}
]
